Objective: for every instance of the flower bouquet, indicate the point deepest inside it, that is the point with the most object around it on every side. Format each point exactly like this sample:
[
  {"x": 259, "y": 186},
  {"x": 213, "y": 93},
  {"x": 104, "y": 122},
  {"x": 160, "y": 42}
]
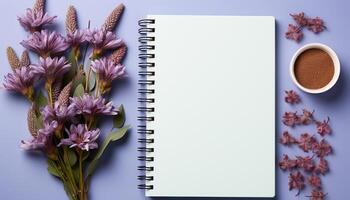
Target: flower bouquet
[{"x": 67, "y": 88}]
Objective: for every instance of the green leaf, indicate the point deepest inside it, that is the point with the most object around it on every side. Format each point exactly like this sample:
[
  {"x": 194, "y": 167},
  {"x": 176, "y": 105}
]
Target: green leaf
[
  {"x": 52, "y": 168},
  {"x": 76, "y": 173},
  {"x": 119, "y": 119},
  {"x": 113, "y": 136},
  {"x": 79, "y": 90},
  {"x": 73, "y": 68},
  {"x": 68, "y": 189},
  {"x": 39, "y": 122},
  {"x": 40, "y": 100},
  {"x": 79, "y": 78},
  {"x": 71, "y": 156},
  {"x": 86, "y": 155}
]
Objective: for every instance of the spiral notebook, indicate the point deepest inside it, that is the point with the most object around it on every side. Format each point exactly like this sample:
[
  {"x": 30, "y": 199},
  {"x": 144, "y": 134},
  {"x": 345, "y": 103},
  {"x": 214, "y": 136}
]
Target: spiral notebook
[{"x": 207, "y": 106}]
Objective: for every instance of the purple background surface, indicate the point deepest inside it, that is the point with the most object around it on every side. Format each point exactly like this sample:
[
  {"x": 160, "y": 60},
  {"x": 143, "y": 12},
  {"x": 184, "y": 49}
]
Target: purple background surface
[{"x": 24, "y": 176}]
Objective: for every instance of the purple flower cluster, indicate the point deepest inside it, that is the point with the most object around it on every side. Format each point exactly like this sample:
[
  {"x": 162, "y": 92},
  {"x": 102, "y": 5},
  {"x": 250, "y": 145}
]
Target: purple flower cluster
[
  {"x": 66, "y": 100},
  {"x": 51, "y": 68},
  {"x": 102, "y": 40},
  {"x": 46, "y": 43},
  {"x": 107, "y": 71},
  {"x": 76, "y": 38},
  {"x": 90, "y": 106},
  {"x": 59, "y": 113},
  {"x": 42, "y": 140},
  {"x": 34, "y": 21},
  {"x": 294, "y": 32},
  {"x": 21, "y": 80},
  {"x": 81, "y": 137}
]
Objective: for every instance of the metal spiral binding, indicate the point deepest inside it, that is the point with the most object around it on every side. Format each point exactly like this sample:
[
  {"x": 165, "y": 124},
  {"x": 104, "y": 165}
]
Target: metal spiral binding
[{"x": 145, "y": 100}]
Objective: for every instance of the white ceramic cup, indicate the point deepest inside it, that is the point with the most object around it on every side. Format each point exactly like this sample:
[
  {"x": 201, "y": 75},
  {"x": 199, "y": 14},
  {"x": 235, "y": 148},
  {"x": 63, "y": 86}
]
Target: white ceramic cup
[{"x": 336, "y": 64}]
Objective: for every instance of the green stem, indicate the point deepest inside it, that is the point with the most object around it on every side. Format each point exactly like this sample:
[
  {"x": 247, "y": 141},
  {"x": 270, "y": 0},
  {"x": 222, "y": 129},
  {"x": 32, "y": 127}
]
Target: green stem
[
  {"x": 90, "y": 123},
  {"x": 61, "y": 174},
  {"x": 70, "y": 179},
  {"x": 93, "y": 57},
  {"x": 77, "y": 63},
  {"x": 97, "y": 88},
  {"x": 49, "y": 93},
  {"x": 69, "y": 169},
  {"x": 81, "y": 183},
  {"x": 87, "y": 80}
]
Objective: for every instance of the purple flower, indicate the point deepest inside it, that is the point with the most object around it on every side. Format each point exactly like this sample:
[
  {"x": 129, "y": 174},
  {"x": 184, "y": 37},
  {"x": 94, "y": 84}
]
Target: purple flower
[
  {"x": 51, "y": 68},
  {"x": 46, "y": 43},
  {"x": 102, "y": 40},
  {"x": 294, "y": 33},
  {"x": 90, "y": 105},
  {"x": 107, "y": 71},
  {"x": 34, "y": 21},
  {"x": 299, "y": 18},
  {"x": 57, "y": 113},
  {"x": 21, "y": 80},
  {"x": 76, "y": 38},
  {"x": 43, "y": 138},
  {"x": 81, "y": 137},
  {"x": 316, "y": 25},
  {"x": 38, "y": 142}
]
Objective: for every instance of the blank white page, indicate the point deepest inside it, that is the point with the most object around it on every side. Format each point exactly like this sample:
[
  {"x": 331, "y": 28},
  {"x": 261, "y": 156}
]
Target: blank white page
[{"x": 214, "y": 106}]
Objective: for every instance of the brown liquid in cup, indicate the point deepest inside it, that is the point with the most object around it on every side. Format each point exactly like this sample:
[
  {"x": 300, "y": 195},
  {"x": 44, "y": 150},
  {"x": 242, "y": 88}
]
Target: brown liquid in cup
[{"x": 314, "y": 68}]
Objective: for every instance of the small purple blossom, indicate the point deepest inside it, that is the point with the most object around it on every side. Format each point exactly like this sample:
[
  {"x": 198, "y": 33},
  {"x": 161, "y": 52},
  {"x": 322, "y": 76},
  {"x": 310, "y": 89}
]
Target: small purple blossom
[
  {"x": 102, "y": 40},
  {"x": 294, "y": 33},
  {"x": 21, "y": 80},
  {"x": 81, "y": 137},
  {"x": 290, "y": 119},
  {"x": 300, "y": 18},
  {"x": 107, "y": 71},
  {"x": 51, "y": 68},
  {"x": 316, "y": 25},
  {"x": 43, "y": 138},
  {"x": 34, "y": 21},
  {"x": 46, "y": 43},
  {"x": 291, "y": 97},
  {"x": 323, "y": 127},
  {"x": 90, "y": 105},
  {"x": 59, "y": 113},
  {"x": 76, "y": 38},
  {"x": 38, "y": 142}
]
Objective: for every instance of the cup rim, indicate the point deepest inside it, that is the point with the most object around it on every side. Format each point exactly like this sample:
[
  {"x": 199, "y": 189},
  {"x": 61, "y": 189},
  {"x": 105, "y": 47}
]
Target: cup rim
[{"x": 335, "y": 60}]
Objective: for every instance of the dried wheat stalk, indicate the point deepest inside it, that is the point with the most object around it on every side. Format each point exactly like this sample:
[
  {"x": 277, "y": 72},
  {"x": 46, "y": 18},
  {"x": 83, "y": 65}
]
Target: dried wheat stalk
[
  {"x": 63, "y": 98},
  {"x": 56, "y": 89},
  {"x": 118, "y": 55},
  {"x": 25, "y": 60},
  {"x": 39, "y": 6},
  {"x": 113, "y": 18},
  {"x": 71, "y": 20},
  {"x": 31, "y": 121},
  {"x": 12, "y": 58}
]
